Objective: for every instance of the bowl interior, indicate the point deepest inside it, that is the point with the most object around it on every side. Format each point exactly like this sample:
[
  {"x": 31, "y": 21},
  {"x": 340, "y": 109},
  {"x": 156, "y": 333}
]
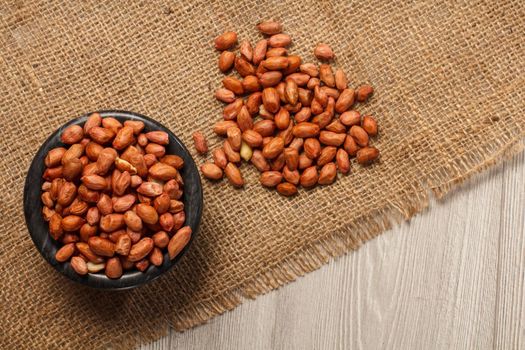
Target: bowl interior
[{"x": 47, "y": 246}]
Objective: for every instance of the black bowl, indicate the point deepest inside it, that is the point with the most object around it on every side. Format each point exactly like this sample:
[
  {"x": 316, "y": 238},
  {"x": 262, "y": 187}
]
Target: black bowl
[{"x": 47, "y": 246}]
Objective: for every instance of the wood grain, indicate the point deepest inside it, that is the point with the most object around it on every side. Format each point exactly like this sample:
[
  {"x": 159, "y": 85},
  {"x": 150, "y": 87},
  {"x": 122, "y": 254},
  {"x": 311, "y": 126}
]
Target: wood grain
[{"x": 452, "y": 277}]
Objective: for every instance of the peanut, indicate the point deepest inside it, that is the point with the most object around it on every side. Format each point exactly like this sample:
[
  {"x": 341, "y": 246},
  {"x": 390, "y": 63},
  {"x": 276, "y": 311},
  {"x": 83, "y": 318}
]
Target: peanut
[
  {"x": 104, "y": 204},
  {"x": 136, "y": 125},
  {"x": 327, "y": 155},
  {"x": 310, "y": 69},
  {"x": 161, "y": 171},
  {"x": 279, "y": 40},
  {"x": 368, "y": 123},
  {"x": 276, "y": 51},
  {"x": 133, "y": 221},
  {"x": 244, "y": 119},
  {"x": 226, "y": 61},
  {"x": 112, "y": 124},
  {"x": 65, "y": 252},
  {"x": 72, "y": 169},
  {"x": 235, "y": 138},
  {"x": 309, "y": 177},
  {"x": 275, "y": 63},
  {"x": 54, "y": 157},
  {"x": 246, "y": 151},
  {"x": 161, "y": 239},
  {"x": 259, "y": 161},
  {"x": 66, "y": 193},
  {"x": 282, "y": 119},
  {"x": 72, "y": 134},
  {"x": 331, "y": 138},
  {"x": 156, "y": 258},
  {"x": 162, "y": 203},
  {"x": 167, "y": 221},
  {"x": 234, "y": 175},
  {"x": 94, "y": 268},
  {"x": 232, "y": 155},
  {"x": 269, "y": 27},
  {"x": 225, "y": 41},
  {"x": 159, "y": 137},
  {"x": 222, "y": 127},
  {"x": 273, "y": 148},
  {"x": 71, "y": 223},
  {"x": 345, "y": 100},
  {"x": 270, "y": 178},
  {"x": 326, "y": 75},
  {"x": 291, "y": 157},
  {"x": 150, "y": 189},
  {"x": 292, "y": 176},
  {"x": 343, "y": 161},
  {"x": 123, "y": 245},
  {"x": 278, "y": 163},
  {"x": 243, "y": 67},
  {"x": 312, "y": 148},
  {"x": 219, "y": 158},
  {"x": 140, "y": 249},
  {"x": 233, "y": 84},
  {"x": 124, "y": 138},
  {"x": 101, "y": 135},
  {"x": 211, "y": 171},
  {"x": 147, "y": 213},
  {"x": 264, "y": 128},
  {"x": 359, "y": 134},
  {"x": 287, "y": 189},
  {"x": 270, "y": 78},
  {"x": 305, "y": 130},
  {"x": 92, "y": 121},
  {"x": 113, "y": 268},
  {"x": 179, "y": 240},
  {"x": 86, "y": 251},
  {"x": 225, "y": 95},
  {"x": 304, "y": 161},
  {"x": 79, "y": 265},
  {"x": 367, "y": 155},
  {"x": 251, "y": 83},
  {"x": 341, "y": 81},
  {"x": 122, "y": 204},
  {"x": 101, "y": 246},
  {"x": 350, "y": 146},
  {"x": 323, "y": 52},
  {"x": 364, "y": 92},
  {"x": 259, "y": 52},
  {"x": 112, "y": 222},
  {"x": 270, "y": 99},
  {"x": 294, "y": 62},
  {"x": 327, "y": 174}
]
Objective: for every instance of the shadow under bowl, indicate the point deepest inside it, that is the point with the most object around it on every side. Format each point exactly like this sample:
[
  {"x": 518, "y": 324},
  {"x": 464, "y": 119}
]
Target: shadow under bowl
[{"x": 47, "y": 246}]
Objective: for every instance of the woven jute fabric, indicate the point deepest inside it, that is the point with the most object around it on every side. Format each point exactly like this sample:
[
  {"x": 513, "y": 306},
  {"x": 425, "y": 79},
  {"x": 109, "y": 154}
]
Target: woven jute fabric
[{"x": 449, "y": 98}]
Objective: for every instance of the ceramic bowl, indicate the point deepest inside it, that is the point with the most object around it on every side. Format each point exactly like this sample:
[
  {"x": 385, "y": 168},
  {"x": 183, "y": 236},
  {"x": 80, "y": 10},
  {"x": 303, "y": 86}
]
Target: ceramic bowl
[{"x": 47, "y": 246}]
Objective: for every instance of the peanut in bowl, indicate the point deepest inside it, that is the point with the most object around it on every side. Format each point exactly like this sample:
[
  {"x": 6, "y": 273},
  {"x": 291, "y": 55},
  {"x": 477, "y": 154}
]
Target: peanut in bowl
[{"x": 119, "y": 221}]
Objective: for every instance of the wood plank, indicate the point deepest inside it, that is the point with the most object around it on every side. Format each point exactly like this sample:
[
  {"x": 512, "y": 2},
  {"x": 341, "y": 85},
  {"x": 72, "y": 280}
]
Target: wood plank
[
  {"x": 510, "y": 312},
  {"x": 451, "y": 278}
]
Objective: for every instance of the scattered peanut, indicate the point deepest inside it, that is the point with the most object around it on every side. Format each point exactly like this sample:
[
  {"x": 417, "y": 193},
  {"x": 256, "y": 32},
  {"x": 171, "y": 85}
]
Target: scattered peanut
[
  {"x": 307, "y": 129},
  {"x": 201, "y": 144}
]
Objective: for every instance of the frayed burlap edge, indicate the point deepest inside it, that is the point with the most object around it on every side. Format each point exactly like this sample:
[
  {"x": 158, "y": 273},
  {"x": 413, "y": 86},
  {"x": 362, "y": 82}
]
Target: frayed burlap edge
[{"x": 367, "y": 227}]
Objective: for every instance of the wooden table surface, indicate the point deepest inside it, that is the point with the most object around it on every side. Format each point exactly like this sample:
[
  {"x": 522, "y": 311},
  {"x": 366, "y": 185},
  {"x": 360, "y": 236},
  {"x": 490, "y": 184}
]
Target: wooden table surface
[{"x": 451, "y": 278}]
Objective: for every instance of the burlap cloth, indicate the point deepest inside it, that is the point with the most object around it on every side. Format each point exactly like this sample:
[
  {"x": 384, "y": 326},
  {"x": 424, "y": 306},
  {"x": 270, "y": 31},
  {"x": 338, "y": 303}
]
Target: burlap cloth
[{"x": 449, "y": 99}]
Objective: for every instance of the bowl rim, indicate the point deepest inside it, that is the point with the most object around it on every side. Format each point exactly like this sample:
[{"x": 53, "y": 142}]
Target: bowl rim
[{"x": 47, "y": 246}]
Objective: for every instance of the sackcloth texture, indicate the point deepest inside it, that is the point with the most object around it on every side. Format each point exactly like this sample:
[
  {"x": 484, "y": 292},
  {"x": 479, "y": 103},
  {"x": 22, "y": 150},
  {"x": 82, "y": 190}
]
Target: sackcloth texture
[{"x": 449, "y": 98}]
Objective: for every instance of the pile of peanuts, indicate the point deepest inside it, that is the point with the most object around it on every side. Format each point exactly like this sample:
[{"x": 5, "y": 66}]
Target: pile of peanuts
[
  {"x": 307, "y": 129},
  {"x": 112, "y": 197}
]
